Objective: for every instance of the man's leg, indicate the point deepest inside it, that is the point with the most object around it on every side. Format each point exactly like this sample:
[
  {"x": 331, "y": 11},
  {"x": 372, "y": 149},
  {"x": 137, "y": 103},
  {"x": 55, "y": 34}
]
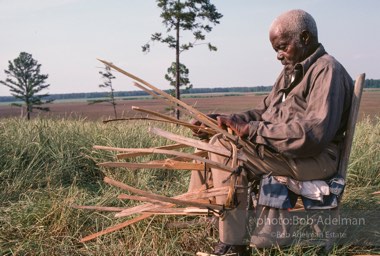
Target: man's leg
[
  {"x": 199, "y": 179},
  {"x": 319, "y": 167},
  {"x": 232, "y": 223}
]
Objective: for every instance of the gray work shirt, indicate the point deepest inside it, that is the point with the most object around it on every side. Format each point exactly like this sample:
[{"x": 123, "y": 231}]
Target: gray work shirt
[{"x": 302, "y": 117}]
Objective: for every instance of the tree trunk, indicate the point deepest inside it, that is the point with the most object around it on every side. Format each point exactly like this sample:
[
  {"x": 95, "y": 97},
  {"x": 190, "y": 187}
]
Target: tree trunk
[
  {"x": 113, "y": 100},
  {"x": 28, "y": 110},
  {"x": 177, "y": 88}
]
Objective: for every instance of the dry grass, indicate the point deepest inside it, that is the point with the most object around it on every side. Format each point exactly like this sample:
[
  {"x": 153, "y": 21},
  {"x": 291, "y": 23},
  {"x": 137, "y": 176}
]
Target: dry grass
[{"x": 47, "y": 165}]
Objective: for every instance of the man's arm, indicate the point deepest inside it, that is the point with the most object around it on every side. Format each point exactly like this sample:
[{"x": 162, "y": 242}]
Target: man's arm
[{"x": 308, "y": 134}]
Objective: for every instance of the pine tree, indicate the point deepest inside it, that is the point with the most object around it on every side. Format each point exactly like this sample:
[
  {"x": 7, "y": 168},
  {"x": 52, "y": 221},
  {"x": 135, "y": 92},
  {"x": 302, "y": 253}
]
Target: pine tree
[
  {"x": 25, "y": 81},
  {"x": 107, "y": 77},
  {"x": 184, "y": 76},
  {"x": 196, "y": 16}
]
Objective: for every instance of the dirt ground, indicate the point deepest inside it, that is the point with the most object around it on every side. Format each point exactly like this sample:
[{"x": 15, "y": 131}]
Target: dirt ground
[{"x": 370, "y": 106}]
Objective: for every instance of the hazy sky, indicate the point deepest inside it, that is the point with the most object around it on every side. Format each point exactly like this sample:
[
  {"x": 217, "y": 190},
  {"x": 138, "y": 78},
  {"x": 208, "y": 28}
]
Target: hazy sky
[{"x": 66, "y": 37}]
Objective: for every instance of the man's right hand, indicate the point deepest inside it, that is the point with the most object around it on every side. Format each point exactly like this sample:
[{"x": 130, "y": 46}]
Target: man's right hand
[{"x": 199, "y": 133}]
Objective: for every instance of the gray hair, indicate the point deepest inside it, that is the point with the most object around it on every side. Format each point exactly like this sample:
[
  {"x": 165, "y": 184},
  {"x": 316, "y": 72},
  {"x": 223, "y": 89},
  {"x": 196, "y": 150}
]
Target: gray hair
[{"x": 296, "y": 21}]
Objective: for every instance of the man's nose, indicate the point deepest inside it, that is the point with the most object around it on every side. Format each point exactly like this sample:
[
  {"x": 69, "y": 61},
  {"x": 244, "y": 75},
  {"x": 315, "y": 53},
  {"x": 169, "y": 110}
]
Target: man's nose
[{"x": 280, "y": 55}]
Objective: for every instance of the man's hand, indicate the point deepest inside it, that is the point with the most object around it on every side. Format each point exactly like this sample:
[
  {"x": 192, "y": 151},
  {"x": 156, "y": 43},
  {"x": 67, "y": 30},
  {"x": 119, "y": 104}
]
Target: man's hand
[
  {"x": 198, "y": 133},
  {"x": 239, "y": 127}
]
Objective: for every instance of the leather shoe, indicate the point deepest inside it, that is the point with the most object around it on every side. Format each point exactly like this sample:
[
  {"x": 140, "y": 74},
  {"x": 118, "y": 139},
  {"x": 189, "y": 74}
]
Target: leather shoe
[{"x": 228, "y": 249}]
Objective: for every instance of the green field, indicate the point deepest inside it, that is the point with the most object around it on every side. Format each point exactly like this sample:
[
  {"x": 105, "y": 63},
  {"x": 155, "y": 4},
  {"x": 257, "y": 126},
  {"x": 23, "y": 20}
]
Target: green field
[{"x": 48, "y": 165}]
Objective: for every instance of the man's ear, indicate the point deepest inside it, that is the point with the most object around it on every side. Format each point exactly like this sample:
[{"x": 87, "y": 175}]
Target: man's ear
[{"x": 305, "y": 37}]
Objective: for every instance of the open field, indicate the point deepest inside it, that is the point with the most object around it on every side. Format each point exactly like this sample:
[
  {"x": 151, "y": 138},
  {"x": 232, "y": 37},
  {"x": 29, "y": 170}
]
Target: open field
[
  {"x": 48, "y": 165},
  {"x": 219, "y": 104}
]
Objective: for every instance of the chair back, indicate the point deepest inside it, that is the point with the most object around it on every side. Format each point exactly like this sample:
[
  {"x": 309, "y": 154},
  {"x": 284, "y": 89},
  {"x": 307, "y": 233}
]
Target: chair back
[{"x": 349, "y": 135}]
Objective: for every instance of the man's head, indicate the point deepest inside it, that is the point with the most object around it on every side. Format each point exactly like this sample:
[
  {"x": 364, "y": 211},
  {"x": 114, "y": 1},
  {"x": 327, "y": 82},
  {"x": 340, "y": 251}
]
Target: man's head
[{"x": 294, "y": 36}]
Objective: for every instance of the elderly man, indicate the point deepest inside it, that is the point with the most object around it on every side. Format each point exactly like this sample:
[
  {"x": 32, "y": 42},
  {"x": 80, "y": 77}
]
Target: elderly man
[{"x": 297, "y": 128}]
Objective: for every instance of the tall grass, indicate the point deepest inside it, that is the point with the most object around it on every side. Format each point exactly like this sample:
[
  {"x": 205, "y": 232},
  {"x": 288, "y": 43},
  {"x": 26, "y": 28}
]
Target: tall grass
[{"x": 48, "y": 165}]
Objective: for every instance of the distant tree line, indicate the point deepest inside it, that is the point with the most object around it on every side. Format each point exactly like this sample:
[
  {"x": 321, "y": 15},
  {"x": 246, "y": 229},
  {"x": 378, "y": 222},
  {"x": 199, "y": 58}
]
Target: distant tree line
[
  {"x": 369, "y": 83},
  {"x": 121, "y": 94},
  {"x": 372, "y": 83}
]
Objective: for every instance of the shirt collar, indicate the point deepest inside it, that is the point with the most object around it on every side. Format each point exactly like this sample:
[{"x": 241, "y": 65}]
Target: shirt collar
[
  {"x": 301, "y": 68},
  {"x": 305, "y": 64}
]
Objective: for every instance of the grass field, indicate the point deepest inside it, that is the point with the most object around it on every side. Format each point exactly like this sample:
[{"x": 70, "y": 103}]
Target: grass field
[{"x": 47, "y": 165}]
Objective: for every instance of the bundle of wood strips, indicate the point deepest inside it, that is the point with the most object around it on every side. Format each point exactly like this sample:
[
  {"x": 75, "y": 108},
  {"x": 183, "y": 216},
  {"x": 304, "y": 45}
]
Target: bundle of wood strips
[{"x": 191, "y": 203}]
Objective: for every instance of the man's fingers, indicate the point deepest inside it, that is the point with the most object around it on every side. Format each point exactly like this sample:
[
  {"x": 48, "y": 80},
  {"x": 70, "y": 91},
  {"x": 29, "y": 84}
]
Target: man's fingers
[{"x": 220, "y": 121}]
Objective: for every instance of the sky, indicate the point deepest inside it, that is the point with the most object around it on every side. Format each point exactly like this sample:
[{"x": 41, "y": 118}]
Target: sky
[{"x": 67, "y": 36}]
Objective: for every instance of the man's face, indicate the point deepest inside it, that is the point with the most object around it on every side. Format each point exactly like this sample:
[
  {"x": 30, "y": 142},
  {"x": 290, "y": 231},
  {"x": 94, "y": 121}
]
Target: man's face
[{"x": 289, "y": 49}]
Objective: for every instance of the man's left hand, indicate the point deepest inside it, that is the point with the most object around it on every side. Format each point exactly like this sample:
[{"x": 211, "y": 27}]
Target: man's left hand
[{"x": 239, "y": 127}]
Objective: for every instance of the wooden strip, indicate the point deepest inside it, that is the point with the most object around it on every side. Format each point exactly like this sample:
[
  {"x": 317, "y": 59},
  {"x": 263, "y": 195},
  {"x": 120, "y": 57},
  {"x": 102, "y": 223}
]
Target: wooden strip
[
  {"x": 135, "y": 119},
  {"x": 153, "y": 94},
  {"x": 199, "y": 153},
  {"x": 153, "y": 201},
  {"x": 169, "y": 152},
  {"x": 178, "y": 211},
  {"x": 136, "y": 154},
  {"x": 191, "y": 111},
  {"x": 191, "y": 196},
  {"x": 146, "y": 215},
  {"x": 160, "y": 197},
  {"x": 178, "y": 158},
  {"x": 138, "y": 209},
  {"x": 116, "y": 227},
  {"x": 169, "y": 165},
  {"x": 99, "y": 208},
  {"x": 139, "y": 198},
  {"x": 191, "y": 142},
  {"x": 204, "y": 194},
  {"x": 174, "y": 120}
]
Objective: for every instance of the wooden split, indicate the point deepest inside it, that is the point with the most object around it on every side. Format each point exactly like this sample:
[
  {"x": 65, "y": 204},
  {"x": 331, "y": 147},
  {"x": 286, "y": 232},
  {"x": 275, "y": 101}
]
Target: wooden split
[
  {"x": 174, "y": 120},
  {"x": 178, "y": 211},
  {"x": 160, "y": 197},
  {"x": 99, "y": 208},
  {"x": 167, "y": 164},
  {"x": 191, "y": 142},
  {"x": 138, "y": 209},
  {"x": 136, "y": 154},
  {"x": 140, "y": 198},
  {"x": 154, "y": 119},
  {"x": 170, "y": 152},
  {"x": 192, "y": 202},
  {"x": 200, "y": 153},
  {"x": 116, "y": 227}
]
